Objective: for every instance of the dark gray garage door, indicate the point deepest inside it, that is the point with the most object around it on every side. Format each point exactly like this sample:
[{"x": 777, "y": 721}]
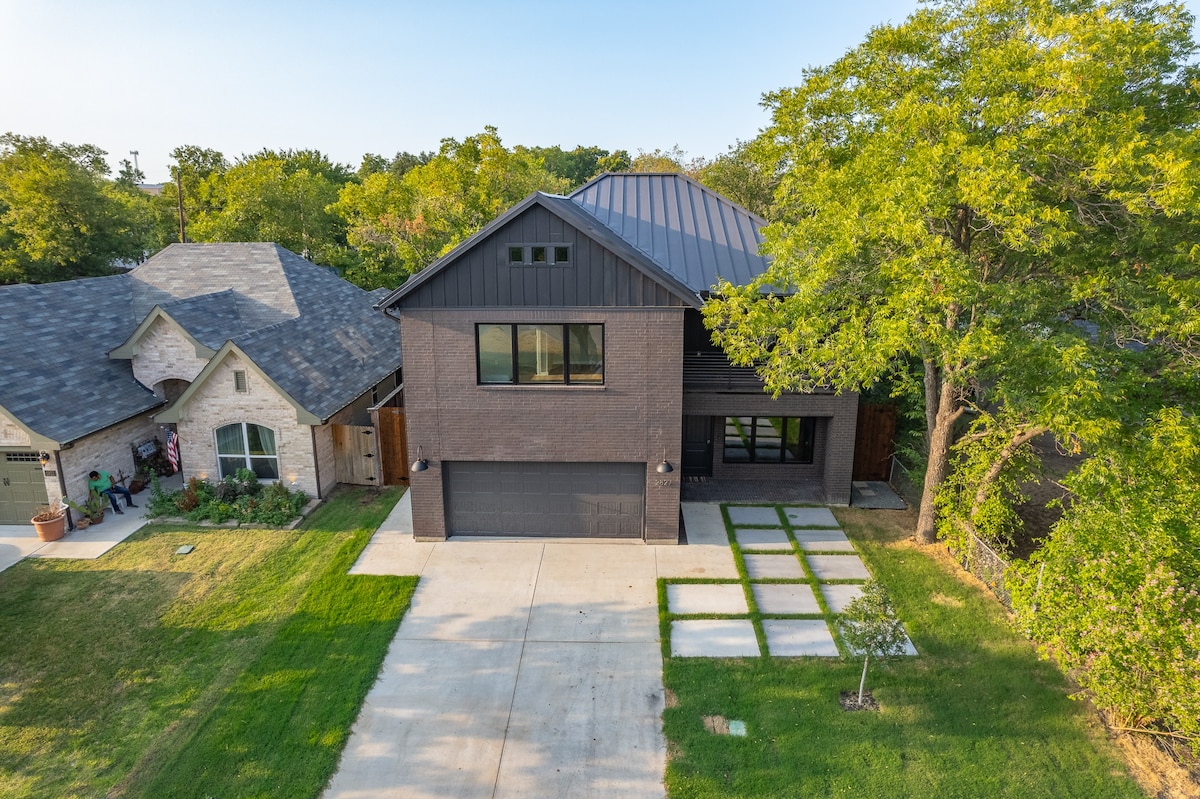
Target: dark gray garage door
[{"x": 582, "y": 500}]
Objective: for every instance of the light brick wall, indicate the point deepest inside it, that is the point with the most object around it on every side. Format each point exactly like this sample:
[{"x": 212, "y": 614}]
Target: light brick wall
[
  {"x": 633, "y": 418},
  {"x": 12, "y": 436},
  {"x": 164, "y": 353},
  {"x": 110, "y": 449},
  {"x": 216, "y": 404}
]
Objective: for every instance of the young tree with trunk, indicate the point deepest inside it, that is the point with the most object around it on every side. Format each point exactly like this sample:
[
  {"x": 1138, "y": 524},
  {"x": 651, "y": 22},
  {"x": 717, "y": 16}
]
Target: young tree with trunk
[
  {"x": 987, "y": 182},
  {"x": 870, "y": 628}
]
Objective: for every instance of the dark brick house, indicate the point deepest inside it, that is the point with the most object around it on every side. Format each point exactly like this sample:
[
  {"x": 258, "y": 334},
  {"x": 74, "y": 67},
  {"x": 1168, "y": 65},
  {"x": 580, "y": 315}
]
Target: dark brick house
[{"x": 559, "y": 381}]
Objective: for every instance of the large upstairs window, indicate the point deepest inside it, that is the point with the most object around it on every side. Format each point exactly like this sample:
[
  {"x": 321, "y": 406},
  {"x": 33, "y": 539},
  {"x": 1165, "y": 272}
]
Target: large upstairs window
[{"x": 540, "y": 354}]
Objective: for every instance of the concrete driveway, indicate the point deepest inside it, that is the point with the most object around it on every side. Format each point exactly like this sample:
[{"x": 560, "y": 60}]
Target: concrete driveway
[{"x": 522, "y": 669}]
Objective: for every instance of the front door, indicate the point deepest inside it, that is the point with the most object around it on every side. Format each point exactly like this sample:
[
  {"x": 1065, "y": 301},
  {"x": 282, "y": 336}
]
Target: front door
[{"x": 697, "y": 446}]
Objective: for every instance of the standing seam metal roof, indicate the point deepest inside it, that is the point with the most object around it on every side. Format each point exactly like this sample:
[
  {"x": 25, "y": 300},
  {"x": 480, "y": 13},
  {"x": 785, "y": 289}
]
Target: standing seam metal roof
[{"x": 686, "y": 229}]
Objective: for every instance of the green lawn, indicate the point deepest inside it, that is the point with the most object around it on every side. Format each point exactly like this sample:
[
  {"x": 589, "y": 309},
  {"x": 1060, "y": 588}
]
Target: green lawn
[
  {"x": 234, "y": 671},
  {"x": 977, "y": 714}
]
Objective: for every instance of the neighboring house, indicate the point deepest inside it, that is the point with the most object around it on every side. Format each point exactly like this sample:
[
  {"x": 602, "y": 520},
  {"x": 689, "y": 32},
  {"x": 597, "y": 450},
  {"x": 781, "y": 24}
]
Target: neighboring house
[
  {"x": 559, "y": 379},
  {"x": 257, "y": 357}
]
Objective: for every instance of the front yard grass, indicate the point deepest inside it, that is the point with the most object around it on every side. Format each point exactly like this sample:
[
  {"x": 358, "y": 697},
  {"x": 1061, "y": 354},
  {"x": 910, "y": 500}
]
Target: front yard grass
[
  {"x": 976, "y": 714},
  {"x": 234, "y": 671}
]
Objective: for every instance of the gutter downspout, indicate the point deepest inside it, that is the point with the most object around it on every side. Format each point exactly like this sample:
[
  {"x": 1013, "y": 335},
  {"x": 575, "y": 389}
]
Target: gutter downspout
[{"x": 62, "y": 488}]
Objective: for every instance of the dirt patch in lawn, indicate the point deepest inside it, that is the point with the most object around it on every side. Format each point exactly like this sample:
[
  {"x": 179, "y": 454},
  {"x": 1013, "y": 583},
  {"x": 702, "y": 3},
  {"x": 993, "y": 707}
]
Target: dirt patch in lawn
[
  {"x": 1160, "y": 767},
  {"x": 717, "y": 725},
  {"x": 849, "y": 701}
]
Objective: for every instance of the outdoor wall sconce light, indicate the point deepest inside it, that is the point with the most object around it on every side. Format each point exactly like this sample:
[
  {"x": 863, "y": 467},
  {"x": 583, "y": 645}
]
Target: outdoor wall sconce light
[
  {"x": 420, "y": 464},
  {"x": 44, "y": 458},
  {"x": 664, "y": 467}
]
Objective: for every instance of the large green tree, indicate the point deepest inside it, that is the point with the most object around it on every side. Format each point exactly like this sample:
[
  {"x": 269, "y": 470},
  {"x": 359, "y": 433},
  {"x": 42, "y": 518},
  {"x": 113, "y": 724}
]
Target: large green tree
[
  {"x": 274, "y": 196},
  {"x": 197, "y": 170},
  {"x": 60, "y": 217},
  {"x": 399, "y": 224},
  {"x": 989, "y": 185}
]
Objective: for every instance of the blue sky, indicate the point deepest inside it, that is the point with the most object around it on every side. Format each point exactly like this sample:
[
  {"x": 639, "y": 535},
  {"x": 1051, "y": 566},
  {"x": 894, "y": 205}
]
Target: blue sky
[{"x": 353, "y": 77}]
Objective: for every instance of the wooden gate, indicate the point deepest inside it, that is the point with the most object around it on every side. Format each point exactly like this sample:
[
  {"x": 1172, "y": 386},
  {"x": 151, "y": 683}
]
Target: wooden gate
[
  {"x": 874, "y": 442},
  {"x": 354, "y": 454},
  {"x": 393, "y": 446}
]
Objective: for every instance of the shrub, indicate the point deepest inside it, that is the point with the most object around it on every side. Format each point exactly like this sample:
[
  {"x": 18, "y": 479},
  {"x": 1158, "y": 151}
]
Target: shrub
[
  {"x": 239, "y": 497},
  {"x": 1113, "y": 595}
]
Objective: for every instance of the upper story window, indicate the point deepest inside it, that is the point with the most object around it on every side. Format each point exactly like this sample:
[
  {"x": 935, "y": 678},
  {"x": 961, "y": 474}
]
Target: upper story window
[
  {"x": 539, "y": 254},
  {"x": 769, "y": 439},
  {"x": 540, "y": 354}
]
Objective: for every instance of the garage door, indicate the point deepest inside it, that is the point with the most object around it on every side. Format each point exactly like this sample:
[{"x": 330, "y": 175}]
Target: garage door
[
  {"x": 578, "y": 500},
  {"x": 22, "y": 487}
]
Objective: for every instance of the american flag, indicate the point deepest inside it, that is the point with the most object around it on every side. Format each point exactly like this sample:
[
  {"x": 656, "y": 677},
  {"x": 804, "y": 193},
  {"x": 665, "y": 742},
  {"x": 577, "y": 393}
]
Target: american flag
[{"x": 173, "y": 449}]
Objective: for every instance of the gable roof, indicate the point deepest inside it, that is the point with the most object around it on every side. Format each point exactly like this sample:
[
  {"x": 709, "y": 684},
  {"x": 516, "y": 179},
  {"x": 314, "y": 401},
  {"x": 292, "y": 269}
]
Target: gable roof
[
  {"x": 570, "y": 213},
  {"x": 311, "y": 333},
  {"x": 679, "y": 233},
  {"x": 686, "y": 229}
]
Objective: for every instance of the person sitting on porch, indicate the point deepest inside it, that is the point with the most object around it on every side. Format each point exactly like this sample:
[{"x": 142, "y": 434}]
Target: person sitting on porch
[{"x": 103, "y": 483}]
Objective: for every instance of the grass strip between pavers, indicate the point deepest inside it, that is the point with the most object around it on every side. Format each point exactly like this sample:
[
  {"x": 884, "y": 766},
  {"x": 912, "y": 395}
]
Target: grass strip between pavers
[{"x": 234, "y": 671}]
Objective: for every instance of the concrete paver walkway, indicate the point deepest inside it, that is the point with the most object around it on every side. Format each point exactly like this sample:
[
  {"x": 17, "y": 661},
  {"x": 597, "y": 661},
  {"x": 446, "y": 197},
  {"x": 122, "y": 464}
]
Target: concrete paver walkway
[{"x": 522, "y": 669}]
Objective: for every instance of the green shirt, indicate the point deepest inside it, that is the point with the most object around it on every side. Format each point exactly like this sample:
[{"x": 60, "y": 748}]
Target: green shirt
[{"x": 101, "y": 483}]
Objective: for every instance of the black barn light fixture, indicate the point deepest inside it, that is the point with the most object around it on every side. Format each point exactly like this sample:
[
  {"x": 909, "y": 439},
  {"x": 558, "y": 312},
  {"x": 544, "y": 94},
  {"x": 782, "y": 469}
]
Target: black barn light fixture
[{"x": 420, "y": 464}]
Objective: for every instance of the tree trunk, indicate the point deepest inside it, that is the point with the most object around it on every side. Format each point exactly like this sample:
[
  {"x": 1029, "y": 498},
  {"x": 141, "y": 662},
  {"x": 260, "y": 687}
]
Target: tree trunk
[
  {"x": 1018, "y": 440},
  {"x": 862, "y": 683},
  {"x": 940, "y": 440},
  {"x": 931, "y": 399}
]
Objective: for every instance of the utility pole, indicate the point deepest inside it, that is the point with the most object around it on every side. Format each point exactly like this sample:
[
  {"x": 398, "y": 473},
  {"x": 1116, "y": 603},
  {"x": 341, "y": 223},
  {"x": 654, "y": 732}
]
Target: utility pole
[
  {"x": 179, "y": 202},
  {"x": 134, "y": 153}
]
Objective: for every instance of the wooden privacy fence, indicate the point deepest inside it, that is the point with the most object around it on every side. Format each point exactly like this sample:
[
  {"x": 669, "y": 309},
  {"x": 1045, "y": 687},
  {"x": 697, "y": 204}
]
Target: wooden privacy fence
[
  {"x": 393, "y": 445},
  {"x": 874, "y": 442},
  {"x": 354, "y": 454}
]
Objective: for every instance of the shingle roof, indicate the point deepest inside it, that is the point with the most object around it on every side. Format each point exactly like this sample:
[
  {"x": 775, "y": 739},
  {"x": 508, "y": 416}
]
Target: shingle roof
[
  {"x": 55, "y": 374},
  {"x": 686, "y": 229},
  {"x": 212, "y": 319},
  {"x": 311, "y": 332}
]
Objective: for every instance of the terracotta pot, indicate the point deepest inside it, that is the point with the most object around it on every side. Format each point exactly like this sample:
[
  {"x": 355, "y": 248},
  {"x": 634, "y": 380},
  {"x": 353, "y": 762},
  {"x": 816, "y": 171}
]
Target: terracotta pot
[
  {"x": 99, "y": 517},
  {"x": 51, "y": 530},
  {"x": 83, "y": 523}
]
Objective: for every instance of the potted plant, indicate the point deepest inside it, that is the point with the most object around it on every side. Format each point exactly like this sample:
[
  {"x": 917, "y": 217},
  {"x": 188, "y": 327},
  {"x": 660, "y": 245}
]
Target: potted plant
[
  {"x": 92, "y": 509},
  {"x": 50, "y": 521},
  {"x": 141, "y": 478}
]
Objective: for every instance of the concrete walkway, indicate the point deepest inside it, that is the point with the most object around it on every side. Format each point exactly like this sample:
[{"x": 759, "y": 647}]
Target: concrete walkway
[
  {"x": 522, "y": 669},
  {"x": 19, "y": 541}
]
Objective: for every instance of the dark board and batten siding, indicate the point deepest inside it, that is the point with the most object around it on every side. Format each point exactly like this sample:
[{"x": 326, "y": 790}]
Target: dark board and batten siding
[{"x": 595, "y": 276}]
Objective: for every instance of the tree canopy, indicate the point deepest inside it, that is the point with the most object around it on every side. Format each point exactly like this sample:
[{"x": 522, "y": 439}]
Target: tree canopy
[
  {"x": 279, "y": 196},
  {"x": 60, "y": 217},
  {"x": 399, "y": 224},
  {"x": 997, "y": 191}
]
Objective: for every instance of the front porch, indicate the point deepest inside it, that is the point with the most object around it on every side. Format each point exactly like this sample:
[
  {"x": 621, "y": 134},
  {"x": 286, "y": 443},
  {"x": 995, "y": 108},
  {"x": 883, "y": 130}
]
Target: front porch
[{"x": 729, "y": 489}]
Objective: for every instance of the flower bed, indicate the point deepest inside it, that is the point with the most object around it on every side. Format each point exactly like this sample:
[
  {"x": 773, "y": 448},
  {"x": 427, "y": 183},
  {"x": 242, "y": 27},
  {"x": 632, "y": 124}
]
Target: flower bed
[{"x": 240, "y": 498}]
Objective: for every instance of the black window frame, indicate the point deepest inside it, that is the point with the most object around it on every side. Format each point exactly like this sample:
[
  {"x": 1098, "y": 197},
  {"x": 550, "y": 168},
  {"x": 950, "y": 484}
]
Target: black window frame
[
  {"x": 515, "y": 363},
  {"x": 549, "y": 251},
  {"x": 807, "y": 444}
]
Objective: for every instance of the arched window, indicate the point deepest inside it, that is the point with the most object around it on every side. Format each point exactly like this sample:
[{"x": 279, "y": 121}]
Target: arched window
[{"x": 247, "y": 446}]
